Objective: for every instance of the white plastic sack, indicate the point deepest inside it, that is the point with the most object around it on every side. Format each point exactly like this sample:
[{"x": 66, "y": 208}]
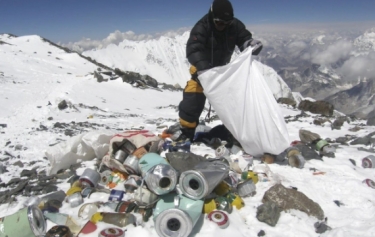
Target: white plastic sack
[
  {"x": 80, "y": 148},
  {"x": 246, "y": 106}
]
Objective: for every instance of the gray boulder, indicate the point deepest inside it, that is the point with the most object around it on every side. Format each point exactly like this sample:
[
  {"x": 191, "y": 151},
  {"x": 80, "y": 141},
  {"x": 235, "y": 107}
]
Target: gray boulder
[
  {"x": 287, "y": 199},
  {"x": 317, "y": 107}
]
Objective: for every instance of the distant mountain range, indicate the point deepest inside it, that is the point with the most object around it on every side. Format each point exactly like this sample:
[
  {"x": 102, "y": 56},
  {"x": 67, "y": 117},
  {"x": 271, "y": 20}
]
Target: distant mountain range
[{"x": 315, "y": 65}]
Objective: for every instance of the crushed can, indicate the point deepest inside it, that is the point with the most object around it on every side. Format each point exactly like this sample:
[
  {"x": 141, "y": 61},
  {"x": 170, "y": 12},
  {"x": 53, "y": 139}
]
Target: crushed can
[
  {"x": 144, "y": 197},
  {"x": 132, "y": 183},
  {"x": 125, "y": 207},
  {"x": 118, "y": 219},
  {"x": 27, "y": 222},
  {"x": 172, "y": 146},
  {"x": 60, "y": 231},
  {"x": 116, "y": 195},
  {"x": 246, "y": 188},
  {"x": 368, "y": 162},
  {"x": 222, "y": 151}
]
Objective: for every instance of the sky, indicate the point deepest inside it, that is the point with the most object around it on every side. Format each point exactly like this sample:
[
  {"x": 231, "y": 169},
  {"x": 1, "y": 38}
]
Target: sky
[
  {"x": 71, "y": 20},
  {"x": 34, "y": 73}
]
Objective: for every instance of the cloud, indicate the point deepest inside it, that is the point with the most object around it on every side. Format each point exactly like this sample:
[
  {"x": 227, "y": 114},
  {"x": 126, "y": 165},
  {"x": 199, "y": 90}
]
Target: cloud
[
  {"x": 333, "y": 53},
  {"x": 295, "y": 48},
  {"x": 113, "y": 38},
  {"x": 359, "y": 67},
  {"x": 117, "y": 37}
]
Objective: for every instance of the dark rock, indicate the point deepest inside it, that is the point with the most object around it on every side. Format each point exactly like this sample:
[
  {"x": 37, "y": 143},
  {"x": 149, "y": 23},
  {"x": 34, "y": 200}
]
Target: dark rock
[
  {"x": 28, "y": 173},
  {"x": 18, "y": 163},
  {"x": 307, "y": 137},
  {"x": 261, "y": 233},
  {"x": 337, "y": 124},
  {"x": 13, "y": 181},
  {"x": 287, "y": 101},
  {"x": 3, "y": 125},
  {"x": 317, "y": 107},
  {"x": 287, "y": 199},
  {"x": 353, "y": 162},
  {"x": 49, "y": 189},
  {"x": 307, "y": 152},
  {"x": 62, "y": 105},
  {"x": 268, "y": 213},
  {"x": 321, "y": 227},
  {"x": 99, "y": 77},
  {"x": 370, "y": 121}
]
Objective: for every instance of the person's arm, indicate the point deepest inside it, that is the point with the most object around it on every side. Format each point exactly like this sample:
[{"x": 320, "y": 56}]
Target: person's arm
[
  {"x": 245, "y": 39},
  {"x": 195, "y": 48}
]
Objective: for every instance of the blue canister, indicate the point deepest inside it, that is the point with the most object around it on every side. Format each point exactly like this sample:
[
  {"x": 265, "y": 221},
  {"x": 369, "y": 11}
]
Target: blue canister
[
  {"x": 116, "y": 195},
  {"x": 159, "y": 175},
  {"x": 176, "y": 215}
]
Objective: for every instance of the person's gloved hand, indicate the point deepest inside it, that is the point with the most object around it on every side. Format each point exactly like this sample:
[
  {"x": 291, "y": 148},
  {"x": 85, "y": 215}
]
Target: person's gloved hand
[{"x": 255, "y": 44}]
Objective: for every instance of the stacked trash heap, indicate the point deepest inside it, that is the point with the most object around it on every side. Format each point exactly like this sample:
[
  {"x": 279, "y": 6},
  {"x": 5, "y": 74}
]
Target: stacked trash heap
[{"x": 175, "y": 190}]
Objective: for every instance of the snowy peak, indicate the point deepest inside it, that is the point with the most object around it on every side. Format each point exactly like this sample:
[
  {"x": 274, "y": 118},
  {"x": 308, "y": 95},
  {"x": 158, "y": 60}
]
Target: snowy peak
[
  {"x": 165, "y": 60},
  {"x": 366, "y": 41}
]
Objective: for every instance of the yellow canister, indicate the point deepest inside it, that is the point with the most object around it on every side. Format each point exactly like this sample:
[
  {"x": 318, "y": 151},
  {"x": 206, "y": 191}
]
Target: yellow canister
[
  {"x": 208, "y": 206},
  {"x": 72, "y": 190}
]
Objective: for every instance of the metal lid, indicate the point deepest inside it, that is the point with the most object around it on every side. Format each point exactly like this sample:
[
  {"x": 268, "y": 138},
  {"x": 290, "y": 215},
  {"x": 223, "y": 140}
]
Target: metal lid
[{"x": 173, "y": 222}]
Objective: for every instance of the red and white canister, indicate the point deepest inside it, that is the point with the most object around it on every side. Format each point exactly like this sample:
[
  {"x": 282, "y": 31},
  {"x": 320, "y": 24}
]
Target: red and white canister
[
  {"x": 368, "y": 162},
  {"x": 220, "y": 218},
  {"x": 369, "y": 183},
  {"x": 112, "y": 232}
]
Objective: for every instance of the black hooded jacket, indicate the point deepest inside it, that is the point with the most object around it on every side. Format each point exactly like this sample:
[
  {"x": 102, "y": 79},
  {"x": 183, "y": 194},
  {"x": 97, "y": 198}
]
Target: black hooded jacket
[{"x": 207, "y": 47}]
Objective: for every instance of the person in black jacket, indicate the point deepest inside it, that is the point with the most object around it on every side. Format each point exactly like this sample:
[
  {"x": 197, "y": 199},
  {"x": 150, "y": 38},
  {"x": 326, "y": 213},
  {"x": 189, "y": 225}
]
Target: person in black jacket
[{"x": 211, "y": 43}]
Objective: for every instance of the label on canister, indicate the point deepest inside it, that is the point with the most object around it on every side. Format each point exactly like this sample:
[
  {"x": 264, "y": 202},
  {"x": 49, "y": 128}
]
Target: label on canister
[{"x": 139, "y": 152}]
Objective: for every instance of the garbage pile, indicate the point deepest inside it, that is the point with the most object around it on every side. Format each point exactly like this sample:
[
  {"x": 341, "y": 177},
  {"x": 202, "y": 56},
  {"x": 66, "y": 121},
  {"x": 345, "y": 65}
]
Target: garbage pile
[{"x": 135, "y": 183}]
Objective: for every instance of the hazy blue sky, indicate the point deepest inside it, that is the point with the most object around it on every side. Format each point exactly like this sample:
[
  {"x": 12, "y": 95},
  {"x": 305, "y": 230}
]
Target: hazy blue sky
[{"x": 71, "y": 20}]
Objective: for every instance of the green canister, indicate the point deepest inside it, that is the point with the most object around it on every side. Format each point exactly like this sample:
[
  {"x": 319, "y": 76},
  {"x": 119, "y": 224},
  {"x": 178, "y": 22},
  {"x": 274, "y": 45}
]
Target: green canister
[
  {"x": 176, "y": 215},
  {"x": 27, "y": 222}
]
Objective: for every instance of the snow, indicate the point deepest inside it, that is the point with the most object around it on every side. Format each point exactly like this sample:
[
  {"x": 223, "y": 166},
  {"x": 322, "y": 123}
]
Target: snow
[{"x": 28, "y": 81}]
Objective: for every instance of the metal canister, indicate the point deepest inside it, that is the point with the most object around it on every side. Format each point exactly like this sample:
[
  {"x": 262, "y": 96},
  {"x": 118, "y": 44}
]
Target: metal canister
[
  {"x": 295, "y": 158},
  {"x": 202, "y": 180},
  {"x": 75, "y": 199},
  {"x": 118, "y": 219},
  {"x": 27, "y": 222},
  {"x": 235, "y": 200},
  {"x": 220, "y": 218},
  {"x": 90, "y": 178},
  {"x": 368, "y": 162},
  {"x": 131, "y": 164},
  {"x": 222, "y": 151},
  {"x": 116, "y": 195},
  {"x": 140, "y": 152},
  {"x": 144, "y": 197},
  {"x": 146, "y": 213},
  {"x": 126, "y": 206},
  {"x": 105, "y": 177},
  {"x": 246, "y": 188},
  {"x": 120, "y": 156},
  {"x": 59, "y": 231},
  {"x": 128, "y": 146},
  {"x": 176, "y": 215},
  {"x": 112, "y": 232},
  {"x": 369, "y": 183},
  {"x": 159, "y": 175},
  {"x": 132, "y": 183},
  {"x": 250, "y": 175},
  {"x": 86, "y": 192},
  {"x": 222, "y": 203}
]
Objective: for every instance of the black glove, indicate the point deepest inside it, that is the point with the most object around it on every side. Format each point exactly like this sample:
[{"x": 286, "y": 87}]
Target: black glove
[{"x": 255, "y": 44}]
